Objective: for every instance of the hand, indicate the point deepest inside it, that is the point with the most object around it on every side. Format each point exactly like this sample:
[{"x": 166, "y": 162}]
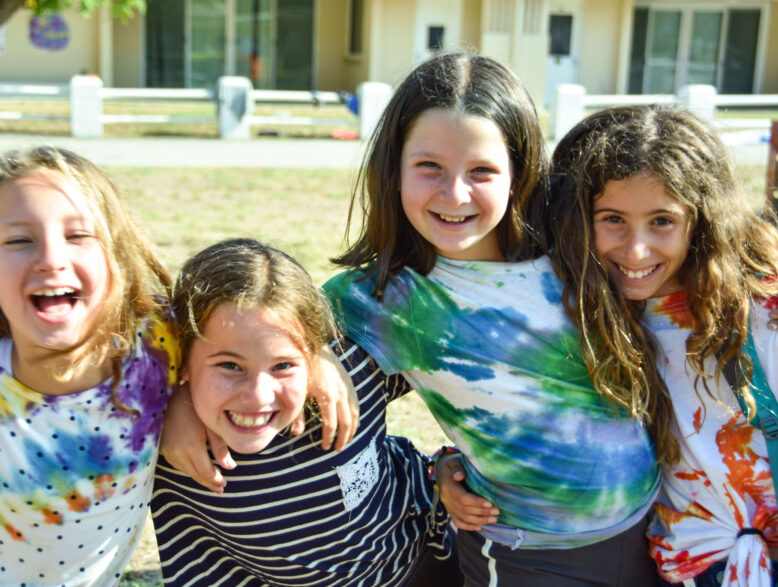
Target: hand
[
  {"x": 333, "y": 391},
  {"x": 467, "y": 510},
  {"x": 772, "y": 324},
  {"x": 184, "y": 439}
]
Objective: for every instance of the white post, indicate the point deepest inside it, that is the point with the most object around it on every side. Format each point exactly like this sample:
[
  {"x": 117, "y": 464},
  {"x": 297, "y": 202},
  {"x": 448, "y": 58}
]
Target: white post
[
  {"x": 86, "y": 106},
  {"x": 235, "y": 107},
  {"x": 699, "y": 99},
  {"x": 372, "y": 98},
  {"x": 567, "y": 109}
]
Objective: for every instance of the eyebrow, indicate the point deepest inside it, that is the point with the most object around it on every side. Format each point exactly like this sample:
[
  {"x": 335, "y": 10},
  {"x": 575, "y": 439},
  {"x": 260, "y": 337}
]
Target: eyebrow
[{"x": 657, "y": 211}]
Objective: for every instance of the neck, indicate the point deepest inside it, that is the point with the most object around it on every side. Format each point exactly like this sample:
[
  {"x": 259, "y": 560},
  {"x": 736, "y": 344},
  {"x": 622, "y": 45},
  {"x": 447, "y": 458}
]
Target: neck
[{"x": 61, "y": 373}]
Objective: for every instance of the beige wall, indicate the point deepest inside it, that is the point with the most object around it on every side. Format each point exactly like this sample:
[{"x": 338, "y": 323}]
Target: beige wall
[
  {"x": 23, "y": 62},
  {"x": 128, "y": 53},
  {"x": 770, "y": 79},
  {"x": 391, "y": 41},
  {"x": 471, "y": 24},
  {"x": 600, "y": 46}
]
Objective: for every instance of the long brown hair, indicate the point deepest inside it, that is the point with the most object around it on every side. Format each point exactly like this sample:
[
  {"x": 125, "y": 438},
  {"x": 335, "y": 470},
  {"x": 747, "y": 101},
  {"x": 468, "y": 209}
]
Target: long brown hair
[
  {"x": 731, "y": 250},
  {"x": 470, "y": 84}
]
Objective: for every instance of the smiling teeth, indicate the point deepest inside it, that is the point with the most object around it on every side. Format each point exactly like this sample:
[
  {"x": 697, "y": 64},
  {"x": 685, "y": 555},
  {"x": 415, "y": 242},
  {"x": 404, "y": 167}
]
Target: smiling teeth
[
  {"x": 454, "y": 219},
  {"x": 249, "y": 421},
  {"x": 637, "y": 274},
  {"x": 57, "y": 291}
]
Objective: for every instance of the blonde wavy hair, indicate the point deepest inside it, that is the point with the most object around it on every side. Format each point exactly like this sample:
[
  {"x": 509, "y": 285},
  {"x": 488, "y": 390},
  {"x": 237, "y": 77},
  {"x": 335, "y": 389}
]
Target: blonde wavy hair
[{"x": 138, "y": 281}]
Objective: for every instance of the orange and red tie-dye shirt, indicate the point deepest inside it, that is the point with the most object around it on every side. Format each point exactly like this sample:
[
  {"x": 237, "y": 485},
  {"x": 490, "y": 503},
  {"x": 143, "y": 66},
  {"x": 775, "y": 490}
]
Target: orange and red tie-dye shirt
[{"x": 722, "y": 482}]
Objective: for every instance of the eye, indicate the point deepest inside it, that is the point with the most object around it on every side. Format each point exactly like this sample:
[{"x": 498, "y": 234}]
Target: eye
[
  {"x": 610, "y": 219},
  {"x": 17, "y": 240},
  {"x": 78, "y": 236},
  {"x": 228, "y": 366},
  {"x": 428, "y": 165},
  {"x": 664, "y": 221},
  {"x": 484, "y": 169},
  {"x": 282, "y": 366}
]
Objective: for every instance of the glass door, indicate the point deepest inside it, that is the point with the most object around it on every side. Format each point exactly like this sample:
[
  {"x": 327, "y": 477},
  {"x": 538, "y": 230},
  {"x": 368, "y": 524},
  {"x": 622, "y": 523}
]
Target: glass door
[
  {"x": 254, "y": 39},
  {"x": 664, "y": 27},
  {"x": 704, "y": 47},
  {"x": 206, "y": 42}
]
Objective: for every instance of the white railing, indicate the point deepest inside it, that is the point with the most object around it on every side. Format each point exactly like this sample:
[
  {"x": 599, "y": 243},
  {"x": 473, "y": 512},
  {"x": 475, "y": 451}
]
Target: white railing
[
  {"x": 571, "y": 103},
  {"x": 235, "y": 100}
]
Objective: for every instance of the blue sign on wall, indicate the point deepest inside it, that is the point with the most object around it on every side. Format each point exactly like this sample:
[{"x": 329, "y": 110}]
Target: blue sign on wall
[{"x": 49, "y": 32}]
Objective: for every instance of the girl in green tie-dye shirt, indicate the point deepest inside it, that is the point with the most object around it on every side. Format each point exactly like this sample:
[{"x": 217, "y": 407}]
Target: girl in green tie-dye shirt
[{"x": 447, "y": 287}]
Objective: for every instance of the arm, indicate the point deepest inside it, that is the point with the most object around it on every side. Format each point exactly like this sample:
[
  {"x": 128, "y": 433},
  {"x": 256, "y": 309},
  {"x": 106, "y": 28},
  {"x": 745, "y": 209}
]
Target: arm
[
  {"x": 467, "y": 510},
  {"x": 184, "y": 443},
  {"x": 332, "y": 389}
]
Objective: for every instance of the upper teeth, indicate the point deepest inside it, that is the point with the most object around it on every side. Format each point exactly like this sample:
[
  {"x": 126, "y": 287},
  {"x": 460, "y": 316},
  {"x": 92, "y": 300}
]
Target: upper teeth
[
  {"x": 636, "y": 274},
  {"x": 452, "y": 218},
  {"x": 57, "y": 291},
  {"x": 250, "y": 421}
]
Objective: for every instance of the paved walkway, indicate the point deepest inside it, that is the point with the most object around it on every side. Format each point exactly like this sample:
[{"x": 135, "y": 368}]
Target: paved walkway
[
  {"x": 193, "y": 152},
  {"x": 281, "y": 153}
]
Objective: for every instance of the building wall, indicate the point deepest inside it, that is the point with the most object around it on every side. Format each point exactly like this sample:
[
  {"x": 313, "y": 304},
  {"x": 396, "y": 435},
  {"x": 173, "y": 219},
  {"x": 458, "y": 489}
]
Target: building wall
[
  {"x": 770, "y": 79},
  {"x": 128, "y": 51},
  {"x": 24, "y": 62},
  {"x": 391, "y": 37},
  {"x": 471, "y": 25},
  {"x": 331, "y": 38},
  {"x": 599, "y": 56}
]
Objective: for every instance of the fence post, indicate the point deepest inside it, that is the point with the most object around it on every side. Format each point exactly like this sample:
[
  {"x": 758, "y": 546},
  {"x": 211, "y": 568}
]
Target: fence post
[
  {"x": 771, "y": 190},
  {"x": 235, "y": 107},
  {"x": 86, "y": 106},
  {"x": 373, "y": 98},
  {"x": 567, "y": 109},
  {"x": 699, "y": 99}
]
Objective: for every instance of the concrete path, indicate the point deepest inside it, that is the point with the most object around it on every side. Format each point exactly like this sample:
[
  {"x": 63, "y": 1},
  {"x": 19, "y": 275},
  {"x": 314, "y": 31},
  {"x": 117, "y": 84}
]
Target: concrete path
[
  {"x": 258, "y": 152},
  {"x": 193, "y": 152}
]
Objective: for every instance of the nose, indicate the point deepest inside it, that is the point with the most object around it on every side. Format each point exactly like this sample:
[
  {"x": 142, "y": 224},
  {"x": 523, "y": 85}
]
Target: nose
[
  {"x": 637, "y": 246},
  {"x": 457, "y": 190},
  {"x": 51, "y": 255},
  {"x": 263, "y": 389}
]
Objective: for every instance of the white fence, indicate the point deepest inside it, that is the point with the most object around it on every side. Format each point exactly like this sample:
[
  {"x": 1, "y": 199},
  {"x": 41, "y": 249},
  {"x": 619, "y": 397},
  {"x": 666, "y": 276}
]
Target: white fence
[
  {"x": 234, "y": 96},
  {"x": 571, "y": 103}
]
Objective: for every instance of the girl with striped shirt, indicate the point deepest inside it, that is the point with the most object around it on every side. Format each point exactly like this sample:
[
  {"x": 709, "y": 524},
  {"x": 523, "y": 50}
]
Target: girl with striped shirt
[{"x": 251, "y": 324}]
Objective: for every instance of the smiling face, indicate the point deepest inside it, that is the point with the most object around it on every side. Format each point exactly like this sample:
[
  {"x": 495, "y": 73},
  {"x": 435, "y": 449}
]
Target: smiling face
[
  {"x": 247, "y": 375},
  {"x": 642, "y": 236},
  {"x": 54, "y": 268},
  {"x": 456, "y": 183}
]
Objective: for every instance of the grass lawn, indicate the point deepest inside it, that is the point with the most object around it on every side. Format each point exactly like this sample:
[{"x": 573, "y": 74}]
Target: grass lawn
[{"x": 302, "y": 212}]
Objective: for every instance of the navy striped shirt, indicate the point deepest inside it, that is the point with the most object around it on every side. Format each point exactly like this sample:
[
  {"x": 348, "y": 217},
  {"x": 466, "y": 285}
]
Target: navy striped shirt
[{"x": 294, "y": 514}]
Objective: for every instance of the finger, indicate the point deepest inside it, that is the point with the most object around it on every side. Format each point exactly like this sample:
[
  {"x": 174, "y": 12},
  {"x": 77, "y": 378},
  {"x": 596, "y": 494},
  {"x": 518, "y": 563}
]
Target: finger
[
  {"x": 298, "y": 425},
  {"x": 329, "y": 418},
  {"x": 463, "y": 525},
  {"x": 346, "y": 428},
  {"x": 210, "y": 477},
  {"x": 219, "y": 450}
]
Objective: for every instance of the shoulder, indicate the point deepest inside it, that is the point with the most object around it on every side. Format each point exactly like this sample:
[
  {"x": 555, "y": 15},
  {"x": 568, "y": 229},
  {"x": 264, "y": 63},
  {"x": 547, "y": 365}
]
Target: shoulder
[{"x": 156, "y": 337}]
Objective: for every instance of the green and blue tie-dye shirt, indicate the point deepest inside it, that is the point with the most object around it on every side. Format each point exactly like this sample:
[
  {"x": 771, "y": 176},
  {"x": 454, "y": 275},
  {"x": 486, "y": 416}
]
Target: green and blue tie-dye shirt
[{"x": 489, "y": 348}]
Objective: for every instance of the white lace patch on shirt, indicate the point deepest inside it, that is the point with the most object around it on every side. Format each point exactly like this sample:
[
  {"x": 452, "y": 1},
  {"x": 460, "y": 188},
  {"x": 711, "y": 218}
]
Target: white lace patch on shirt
[{"x": 358, "y": 476}]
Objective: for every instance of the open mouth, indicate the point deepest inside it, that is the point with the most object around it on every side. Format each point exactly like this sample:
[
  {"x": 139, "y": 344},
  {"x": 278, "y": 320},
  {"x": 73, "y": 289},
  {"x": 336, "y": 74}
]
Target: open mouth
[
  {"x": 250, "y": 420},
  {"x": 54, "y": 301},
  {"x": 453, "y": 219},
  {"x": 637, "y": 273}
]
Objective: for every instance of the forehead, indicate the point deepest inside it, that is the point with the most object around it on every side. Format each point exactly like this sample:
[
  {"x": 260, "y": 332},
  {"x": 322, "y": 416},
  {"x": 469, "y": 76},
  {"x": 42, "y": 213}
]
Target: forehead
[
  {"x": 444, "y": 127},
  {"x": 47, "y": 189},
  {"x": 640, "y": 191}
]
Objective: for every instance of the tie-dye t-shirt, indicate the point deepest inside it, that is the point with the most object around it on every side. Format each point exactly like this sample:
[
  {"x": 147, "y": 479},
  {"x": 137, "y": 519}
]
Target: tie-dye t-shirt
[
  {"x": 77, "y": 472},
  {"x": 489, "y": 348},
  {"x": 722, "y": 482}
]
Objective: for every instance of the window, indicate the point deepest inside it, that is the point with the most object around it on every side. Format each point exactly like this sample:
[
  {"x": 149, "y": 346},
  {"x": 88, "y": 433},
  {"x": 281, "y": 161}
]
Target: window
[{"x": 355, "y": 27}]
